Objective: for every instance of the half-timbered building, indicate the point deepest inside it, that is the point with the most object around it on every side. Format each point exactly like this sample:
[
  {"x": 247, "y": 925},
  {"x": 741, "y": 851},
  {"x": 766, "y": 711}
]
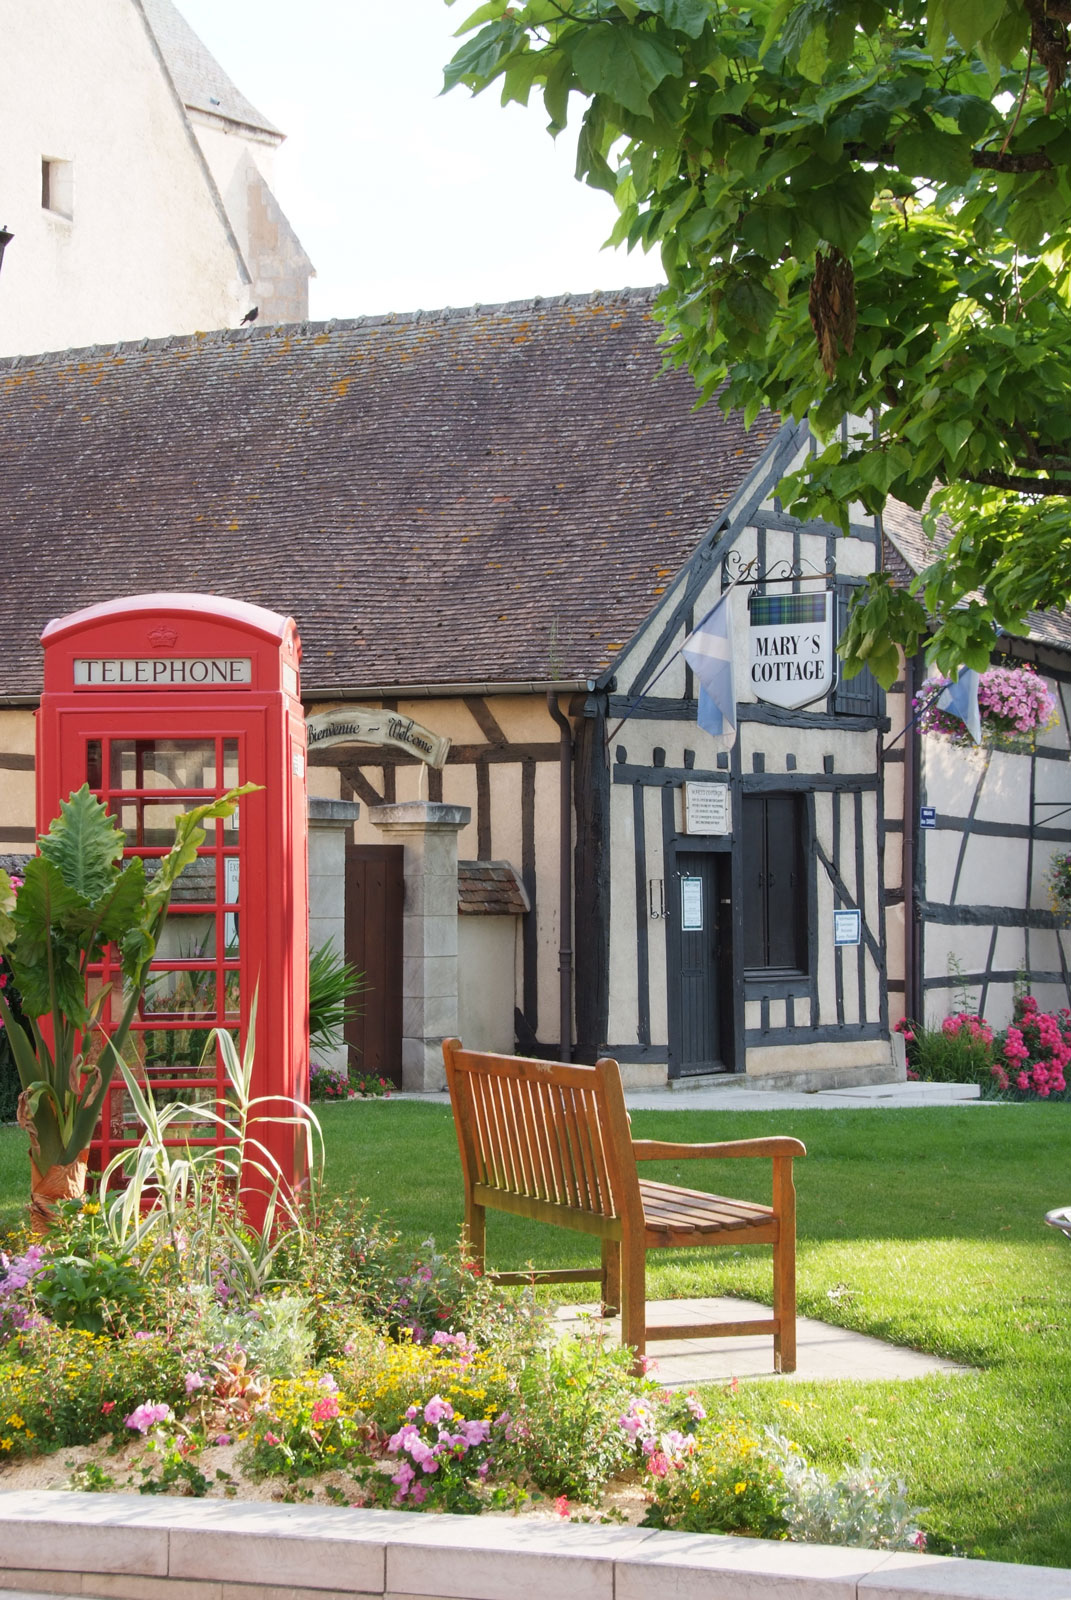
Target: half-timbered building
[{"x": 500, "y": 524}]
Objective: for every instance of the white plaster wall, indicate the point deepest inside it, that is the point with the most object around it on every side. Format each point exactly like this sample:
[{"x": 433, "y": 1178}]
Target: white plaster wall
[
  {"x": 146, "y": 251},
  {"x": 486, "y": 981}
]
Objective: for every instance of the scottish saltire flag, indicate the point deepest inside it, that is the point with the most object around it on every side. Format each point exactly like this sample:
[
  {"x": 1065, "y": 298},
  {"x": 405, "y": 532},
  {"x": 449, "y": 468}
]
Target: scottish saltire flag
[
  {"x": 960, "y": 699},
  {"x": 708, "y": 650}
]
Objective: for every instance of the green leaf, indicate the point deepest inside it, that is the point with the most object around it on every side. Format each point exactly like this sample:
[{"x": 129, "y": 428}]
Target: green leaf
[
  {"x": 945, "y": 157},
  {"x": 814, "y": 55},
  {"x": 622, "y": 63},
  {"x": 842, "y": 211},
  {"x": 689, "y": 16},
  {"x": 479, "y": 60},
  {"x": 45, "y": 958},
  {"x": 84, "y": 844},
  {"x": 954, "y": 435},
  {"x": 970, "y": 19},
  {"x": 766, "y": 230}
]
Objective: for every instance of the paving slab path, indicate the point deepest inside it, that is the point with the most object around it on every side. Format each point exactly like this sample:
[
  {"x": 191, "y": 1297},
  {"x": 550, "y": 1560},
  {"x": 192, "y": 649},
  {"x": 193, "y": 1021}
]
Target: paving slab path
[{"x": 824, "y": 1353}]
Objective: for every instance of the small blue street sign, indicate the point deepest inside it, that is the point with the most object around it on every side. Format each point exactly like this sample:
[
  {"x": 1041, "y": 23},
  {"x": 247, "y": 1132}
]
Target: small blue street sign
[
  {"x": 927, "y": 816},
  {"x": 847, "y": 927}
]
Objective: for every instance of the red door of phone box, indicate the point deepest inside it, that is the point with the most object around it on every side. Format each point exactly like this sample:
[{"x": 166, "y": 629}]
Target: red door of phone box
[{"x": 160, "y": 702}]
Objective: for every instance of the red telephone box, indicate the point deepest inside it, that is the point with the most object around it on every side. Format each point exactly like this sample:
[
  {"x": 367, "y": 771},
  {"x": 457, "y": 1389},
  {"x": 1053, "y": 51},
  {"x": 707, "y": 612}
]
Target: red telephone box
[{"x": 160, "y": 702}]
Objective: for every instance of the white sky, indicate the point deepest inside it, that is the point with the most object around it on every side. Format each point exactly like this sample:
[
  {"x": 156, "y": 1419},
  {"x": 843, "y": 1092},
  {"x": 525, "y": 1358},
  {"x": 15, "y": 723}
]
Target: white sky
[{"x": 404, "y": 200}]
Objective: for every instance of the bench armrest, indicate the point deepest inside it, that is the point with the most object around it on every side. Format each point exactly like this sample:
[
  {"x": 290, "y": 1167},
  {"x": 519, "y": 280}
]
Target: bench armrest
[{"x": 660, "y": 1150}]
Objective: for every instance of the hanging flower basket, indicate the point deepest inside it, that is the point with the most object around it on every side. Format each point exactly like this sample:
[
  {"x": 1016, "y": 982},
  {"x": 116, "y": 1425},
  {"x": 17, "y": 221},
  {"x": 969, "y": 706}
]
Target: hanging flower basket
[{"x": 1015, "y": 704}]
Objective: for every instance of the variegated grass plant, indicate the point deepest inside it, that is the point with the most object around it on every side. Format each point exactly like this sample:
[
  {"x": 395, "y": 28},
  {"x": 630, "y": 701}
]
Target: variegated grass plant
[{"x": 192, "y": 1200}]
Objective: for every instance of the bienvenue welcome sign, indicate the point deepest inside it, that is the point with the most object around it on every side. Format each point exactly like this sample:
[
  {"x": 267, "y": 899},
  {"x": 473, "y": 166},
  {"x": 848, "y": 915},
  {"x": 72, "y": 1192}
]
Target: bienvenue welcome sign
[
  {"x": 362, "y": 725},
  {"x": 791, "y": 647}
]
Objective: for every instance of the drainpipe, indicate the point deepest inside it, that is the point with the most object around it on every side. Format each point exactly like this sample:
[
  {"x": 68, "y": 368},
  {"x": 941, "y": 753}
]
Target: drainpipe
[
  {"x": 565, "y": 883},
  {"x": 911, "y": 811}
]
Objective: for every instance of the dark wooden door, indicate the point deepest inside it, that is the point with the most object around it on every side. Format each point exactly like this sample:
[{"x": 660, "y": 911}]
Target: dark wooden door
[
  {"x": 697, "y": 1007},
  {"x": 375, "y": 896}
]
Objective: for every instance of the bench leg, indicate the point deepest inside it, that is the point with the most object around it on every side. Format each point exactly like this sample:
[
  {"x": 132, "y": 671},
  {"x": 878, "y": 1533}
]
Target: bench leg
[
  {"x": 633, "y": 1298},
  {"x": 784, "y": 1271},
  {"x": 475, "y": 1233},
  {"x": 611, "y": 1277}
]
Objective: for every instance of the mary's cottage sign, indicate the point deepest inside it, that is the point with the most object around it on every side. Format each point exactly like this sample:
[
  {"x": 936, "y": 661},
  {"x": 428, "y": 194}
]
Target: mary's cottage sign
[{"x": 791, "y": 647}]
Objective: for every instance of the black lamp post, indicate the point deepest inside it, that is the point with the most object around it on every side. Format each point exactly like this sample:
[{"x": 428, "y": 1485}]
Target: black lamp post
[{"x": 5, "y": 240}]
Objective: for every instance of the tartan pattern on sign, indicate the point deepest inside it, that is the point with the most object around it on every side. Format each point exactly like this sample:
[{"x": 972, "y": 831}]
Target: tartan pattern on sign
[{"x": 781, "y": 610}]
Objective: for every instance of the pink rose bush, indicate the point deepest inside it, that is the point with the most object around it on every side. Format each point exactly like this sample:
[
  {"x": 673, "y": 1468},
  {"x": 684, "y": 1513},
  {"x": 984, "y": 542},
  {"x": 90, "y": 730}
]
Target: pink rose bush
[{"x": 1035, "y": 1052}]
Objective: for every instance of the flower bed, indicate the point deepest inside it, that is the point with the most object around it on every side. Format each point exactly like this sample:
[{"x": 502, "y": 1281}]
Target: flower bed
[
  {"x": 1028, "y": 1061},
  {"x": 359, "y": 1374}
]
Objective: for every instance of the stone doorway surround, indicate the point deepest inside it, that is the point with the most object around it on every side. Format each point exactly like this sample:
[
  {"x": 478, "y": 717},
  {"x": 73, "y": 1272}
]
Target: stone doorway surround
[{"x": 428, "y": 830}]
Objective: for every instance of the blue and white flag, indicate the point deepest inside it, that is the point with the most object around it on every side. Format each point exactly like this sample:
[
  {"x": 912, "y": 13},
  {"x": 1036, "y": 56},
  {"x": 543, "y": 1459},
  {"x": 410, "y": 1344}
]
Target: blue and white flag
[
  {"x": 708, "y": 650},
  {"x": 960, "y": 699}
]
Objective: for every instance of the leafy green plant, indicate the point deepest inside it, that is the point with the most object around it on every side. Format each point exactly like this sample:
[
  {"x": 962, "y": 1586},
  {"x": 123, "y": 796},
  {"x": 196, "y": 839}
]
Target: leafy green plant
[
  {"x": 92, "y": 1291},
  {"x": 960, "y": 1050},
  {"x": 566, "y": 1436},
  {"x": 75, "y": 899},
  {"x": 333, "y": 987},
  {"x": 862, "y": 1505},
  {"x": 727, "y": 1483},
  {"x": 274, "y": 1333}
]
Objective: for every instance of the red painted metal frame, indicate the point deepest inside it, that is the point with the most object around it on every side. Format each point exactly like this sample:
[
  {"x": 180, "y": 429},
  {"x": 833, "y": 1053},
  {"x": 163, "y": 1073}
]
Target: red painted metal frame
[{"x": 263, "y": 721}]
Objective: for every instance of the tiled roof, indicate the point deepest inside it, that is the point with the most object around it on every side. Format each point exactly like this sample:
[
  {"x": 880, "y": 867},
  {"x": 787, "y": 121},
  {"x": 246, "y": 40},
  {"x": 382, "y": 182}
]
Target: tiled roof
[
  {"x": 909, "y": 550},
  {"x": 197, "y": 75},
  {"x": 490, "y": 889},
  {"x": 498, "y": 494}
]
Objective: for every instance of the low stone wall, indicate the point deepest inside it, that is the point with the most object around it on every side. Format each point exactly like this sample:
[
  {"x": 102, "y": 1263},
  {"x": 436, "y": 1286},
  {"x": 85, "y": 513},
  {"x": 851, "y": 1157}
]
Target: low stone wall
[{"x": 124, "y": 1547}]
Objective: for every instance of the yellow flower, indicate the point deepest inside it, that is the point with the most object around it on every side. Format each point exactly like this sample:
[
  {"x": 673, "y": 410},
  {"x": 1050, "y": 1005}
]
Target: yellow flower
[
  {"x": 738, "y": 1488},
  {"x": 15, "y": 1421}
]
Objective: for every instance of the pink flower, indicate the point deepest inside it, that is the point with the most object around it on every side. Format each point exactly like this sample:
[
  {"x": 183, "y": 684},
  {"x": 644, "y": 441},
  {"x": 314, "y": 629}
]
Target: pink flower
[
  {"x": 561, "y": 1506},
  {"x": 325, "y": 1410},
  {"x": 272, "y": 1438},
  {"x": 438, "y": 1410},
  {"x": 419, "y": 1493},
  {"x": 147, "y": 1415},
  {"x": 223, "y": 1438},
  {"x": 194, "y": 1381},
  {"x": 109, "y": 1405}
]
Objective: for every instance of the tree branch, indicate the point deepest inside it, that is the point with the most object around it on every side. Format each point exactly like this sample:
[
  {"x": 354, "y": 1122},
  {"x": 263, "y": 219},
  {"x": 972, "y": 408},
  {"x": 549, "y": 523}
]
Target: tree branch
[
  {"x": 998, "y": 161},
  {"x": 1019, "y": 485}
]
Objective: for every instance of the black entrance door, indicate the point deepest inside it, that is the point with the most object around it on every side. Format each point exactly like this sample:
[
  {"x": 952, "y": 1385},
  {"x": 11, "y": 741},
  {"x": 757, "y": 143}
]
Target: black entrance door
[{"x": 700, "y": 1020}]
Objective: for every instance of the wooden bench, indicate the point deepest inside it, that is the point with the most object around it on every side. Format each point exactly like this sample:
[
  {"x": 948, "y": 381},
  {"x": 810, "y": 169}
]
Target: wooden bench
[{"x": 546, "y": 1140}]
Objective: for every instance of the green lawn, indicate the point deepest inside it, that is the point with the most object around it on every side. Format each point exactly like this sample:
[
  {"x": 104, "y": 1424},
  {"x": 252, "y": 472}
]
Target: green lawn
[{"x": 924, "y": 1227}]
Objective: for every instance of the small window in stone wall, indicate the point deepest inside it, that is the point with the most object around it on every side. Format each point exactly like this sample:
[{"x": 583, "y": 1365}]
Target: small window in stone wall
[
  {"x": 861, "y": 696},
  {"x": 57, "y": 186}
]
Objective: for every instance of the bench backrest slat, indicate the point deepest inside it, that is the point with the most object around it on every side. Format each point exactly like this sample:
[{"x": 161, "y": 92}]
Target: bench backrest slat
[{"x": 542, "y": 1130}]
